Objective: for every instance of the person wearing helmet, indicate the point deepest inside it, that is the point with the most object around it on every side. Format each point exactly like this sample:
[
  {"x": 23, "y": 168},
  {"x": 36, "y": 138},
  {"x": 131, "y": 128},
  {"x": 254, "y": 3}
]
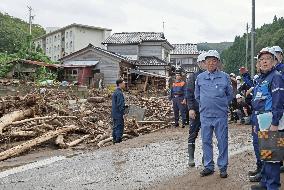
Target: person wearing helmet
[
  {"x": 268, "y": 96},
  {"x": 178, "y": 96},
  {"x": 213, "y": 92},
  {"x": 193, "y": 108},
  {"x": 279, "y": 54}
]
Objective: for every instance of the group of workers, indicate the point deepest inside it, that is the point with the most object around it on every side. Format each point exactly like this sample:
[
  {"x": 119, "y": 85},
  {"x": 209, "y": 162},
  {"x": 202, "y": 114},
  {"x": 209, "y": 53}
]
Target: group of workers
[{"x": 206, "y": 96}]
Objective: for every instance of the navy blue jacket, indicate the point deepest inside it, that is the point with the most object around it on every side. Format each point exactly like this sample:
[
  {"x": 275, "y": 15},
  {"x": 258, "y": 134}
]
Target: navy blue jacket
[
  {"x": 118, "y": 104},
  {"x": 247, "y": 79},
  {"x": 192, "y": 104},
  {"x": 268, "y": 95},
  {"x": 213, "y": 92},
  {"x": 280, "y": 67}
]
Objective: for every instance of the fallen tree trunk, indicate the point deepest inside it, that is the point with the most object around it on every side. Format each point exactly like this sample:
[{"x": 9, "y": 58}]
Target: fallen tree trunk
[
  {"x": 41, "y": 118},
  {"x": 101, "y": 143},
  {"x": 14, "y": 116},
  {"x": 23, "y": 134},
  {"x": 77, "y": 141},
  {"x": 34, "y": 142}
]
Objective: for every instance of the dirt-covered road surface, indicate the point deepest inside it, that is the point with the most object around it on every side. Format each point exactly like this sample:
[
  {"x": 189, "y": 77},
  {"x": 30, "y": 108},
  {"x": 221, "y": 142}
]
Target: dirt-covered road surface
[{"x": 152, "y": 161}]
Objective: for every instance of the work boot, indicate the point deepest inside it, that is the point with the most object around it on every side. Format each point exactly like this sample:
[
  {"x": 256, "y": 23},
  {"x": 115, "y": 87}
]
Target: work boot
[
  {"x": 191, "y": 149},
  {"x": 256, "y": 178},
  {"x": 254, "y": 172},
  {"x": 206, "y": 172},
  {"x": 258, "y": 187},
  {"x": 282, "y": 169},
  {"x": 223, "y": 174}
]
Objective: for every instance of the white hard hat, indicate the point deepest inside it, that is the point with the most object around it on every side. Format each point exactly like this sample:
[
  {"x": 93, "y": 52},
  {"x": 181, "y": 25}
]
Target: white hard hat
[
  {"x": 232, "y": 75},
  {"x": 277, "y": 49},
  {"x": 267, "y": 50},
  {"x": 239, "y": 96},
  {"x": 238, "y": 77},
  {"x": 201, "y": 57},
  {"x": 212, "y": 53}
]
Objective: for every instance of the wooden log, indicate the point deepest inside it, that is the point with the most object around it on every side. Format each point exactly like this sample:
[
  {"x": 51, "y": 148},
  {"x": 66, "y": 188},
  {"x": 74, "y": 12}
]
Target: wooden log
[
  {"x": 23, "y": 134},
  {"x": 41, "y": 118},
  {"x": 34, "y": 142},
  {"x": 77, "y": 141},
  {"x": 96, "y": 99},
  {"x": 101, "y": 143},
  {"x": 14, "y": 116}
]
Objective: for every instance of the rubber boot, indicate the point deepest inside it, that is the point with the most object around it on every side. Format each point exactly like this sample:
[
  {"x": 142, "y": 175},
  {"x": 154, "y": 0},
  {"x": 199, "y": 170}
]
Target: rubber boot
[
  {"x": 191, "y": 149},
  {"x": 254, "y": 172}
]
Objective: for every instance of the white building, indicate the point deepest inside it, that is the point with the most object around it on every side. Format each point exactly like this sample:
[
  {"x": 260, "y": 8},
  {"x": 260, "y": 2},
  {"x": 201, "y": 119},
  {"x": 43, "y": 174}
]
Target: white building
[{"x": 71, "y": 38}]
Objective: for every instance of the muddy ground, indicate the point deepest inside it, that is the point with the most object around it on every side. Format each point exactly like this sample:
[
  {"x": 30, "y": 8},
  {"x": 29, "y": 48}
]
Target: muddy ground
[{"x": 152, "y": 161}]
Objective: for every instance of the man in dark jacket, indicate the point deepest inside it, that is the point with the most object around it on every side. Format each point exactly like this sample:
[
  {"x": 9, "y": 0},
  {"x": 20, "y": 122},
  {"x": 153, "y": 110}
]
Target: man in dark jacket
[
  {"x": 118, "y": 111},
  {"x": 268, "y": 96},
  {"x": 193, "y": 108}
]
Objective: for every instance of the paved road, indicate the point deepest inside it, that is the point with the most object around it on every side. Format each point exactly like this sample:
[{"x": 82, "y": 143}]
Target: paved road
[{"x": 134, "y": 164}]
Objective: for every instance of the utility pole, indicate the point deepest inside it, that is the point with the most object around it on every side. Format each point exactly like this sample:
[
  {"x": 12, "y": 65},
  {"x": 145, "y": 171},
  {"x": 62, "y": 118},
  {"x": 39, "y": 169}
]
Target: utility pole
[
  {"x": 247, "y": 28},
  {"x": 252, "y": 38},
  {"x": 30, "y": 25}
]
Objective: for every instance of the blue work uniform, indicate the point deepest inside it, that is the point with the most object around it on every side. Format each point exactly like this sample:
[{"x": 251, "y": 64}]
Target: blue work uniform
[
  {"x": 192, "y": 104},
  {"x": 117, "y": 112},
  {"x": 280, "y": 68},
  {"x": 177, "y": 95},
  {"x": 213, "y": 92},
  {"x": 268, "y": 96}
]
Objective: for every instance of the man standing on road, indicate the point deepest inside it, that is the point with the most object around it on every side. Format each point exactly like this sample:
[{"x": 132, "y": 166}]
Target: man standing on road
[
  {"x": 268, "y": 96},
  {"x": 213, "y": 92},
  {"x": 193, "y": 108},
  {"x": 177, "y": 95},
  {"x": 118, "y": 111}
]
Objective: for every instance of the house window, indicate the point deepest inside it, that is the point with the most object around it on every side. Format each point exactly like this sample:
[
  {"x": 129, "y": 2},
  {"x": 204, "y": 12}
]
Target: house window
[
  {"x": 66, "y": 34},
  {"x": 70, "y": 34},
  {"x": 47, "y": 41},
  {"x": 71, "y": 73},
  {"x": 71, "y": 44},
  {"x": 66, "y": 45},
  {"x": 58, "y": 47},
  {"x": 54, "y": 48},
  {"x": 55, "y": 38}
]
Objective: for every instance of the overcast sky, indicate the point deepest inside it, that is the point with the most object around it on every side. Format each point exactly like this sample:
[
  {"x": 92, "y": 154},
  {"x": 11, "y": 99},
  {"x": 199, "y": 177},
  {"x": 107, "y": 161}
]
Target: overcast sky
[{"x": 186, "y": 21}]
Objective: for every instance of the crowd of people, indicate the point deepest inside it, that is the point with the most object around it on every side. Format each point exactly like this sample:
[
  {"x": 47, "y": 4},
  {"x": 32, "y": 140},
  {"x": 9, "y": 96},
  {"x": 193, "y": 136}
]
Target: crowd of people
[{"x": 208, "y": 95}]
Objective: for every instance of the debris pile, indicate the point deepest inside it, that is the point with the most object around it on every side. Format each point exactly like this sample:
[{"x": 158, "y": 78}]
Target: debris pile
[{"x": 53, "y": 117}]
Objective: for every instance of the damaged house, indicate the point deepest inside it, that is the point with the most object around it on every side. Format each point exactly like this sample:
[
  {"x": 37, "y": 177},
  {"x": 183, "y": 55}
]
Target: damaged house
[
  {"x": 91, "y": 64},
  {"x": 149, "y": 52}
]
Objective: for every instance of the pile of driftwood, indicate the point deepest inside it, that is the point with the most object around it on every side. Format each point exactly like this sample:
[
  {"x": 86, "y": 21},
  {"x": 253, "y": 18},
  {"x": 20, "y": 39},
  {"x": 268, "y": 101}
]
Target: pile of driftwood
[{"x": 53, "y": 117}]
